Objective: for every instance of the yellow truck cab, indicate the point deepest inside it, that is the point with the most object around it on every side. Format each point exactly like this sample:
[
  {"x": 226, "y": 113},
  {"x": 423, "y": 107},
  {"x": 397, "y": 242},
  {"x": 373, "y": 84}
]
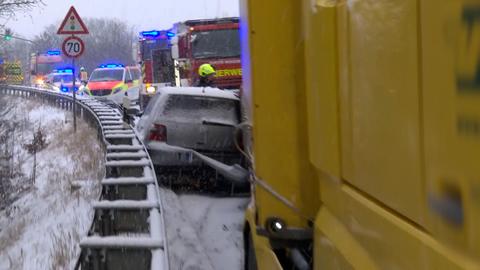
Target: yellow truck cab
[{"x": 366, "y": 129}]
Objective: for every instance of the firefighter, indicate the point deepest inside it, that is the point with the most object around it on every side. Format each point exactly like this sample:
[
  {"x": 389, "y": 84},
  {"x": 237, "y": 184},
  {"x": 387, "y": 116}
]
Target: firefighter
[
  {"x": 206, "y": 72},
  {"x": 83, "y": 76}
]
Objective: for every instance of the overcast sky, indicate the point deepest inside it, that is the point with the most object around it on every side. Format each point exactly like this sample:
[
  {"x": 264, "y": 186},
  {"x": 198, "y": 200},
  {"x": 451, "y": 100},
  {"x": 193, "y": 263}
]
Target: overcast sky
[{"x": 144, "y": 14}]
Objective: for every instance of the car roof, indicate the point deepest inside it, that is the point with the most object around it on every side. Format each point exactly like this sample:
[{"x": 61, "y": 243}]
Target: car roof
[
  {"x": 199, "y": 91},
  {"x": 122, "y": 68},
  {"x": 62, "y": 73}
]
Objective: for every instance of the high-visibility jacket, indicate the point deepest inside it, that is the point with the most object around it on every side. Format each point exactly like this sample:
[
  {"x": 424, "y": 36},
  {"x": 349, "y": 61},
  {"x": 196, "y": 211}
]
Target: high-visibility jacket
[{"x": 83, "y": 76}]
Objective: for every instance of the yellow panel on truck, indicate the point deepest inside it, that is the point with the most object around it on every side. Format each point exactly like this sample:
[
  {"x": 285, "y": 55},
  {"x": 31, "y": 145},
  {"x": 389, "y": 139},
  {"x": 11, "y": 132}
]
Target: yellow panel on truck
[
  {"x": 13, "y": 72},
  {"x": 366, "y": 130}
]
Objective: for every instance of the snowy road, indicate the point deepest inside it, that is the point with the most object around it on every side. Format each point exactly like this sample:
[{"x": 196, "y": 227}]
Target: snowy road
[{"x": 204, "y": 232}]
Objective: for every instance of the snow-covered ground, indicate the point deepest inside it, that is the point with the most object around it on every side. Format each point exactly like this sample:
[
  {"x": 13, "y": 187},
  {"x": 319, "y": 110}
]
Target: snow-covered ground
[
  {"x": 41, "y": 223},
  {"x": 204, "y": 232}
]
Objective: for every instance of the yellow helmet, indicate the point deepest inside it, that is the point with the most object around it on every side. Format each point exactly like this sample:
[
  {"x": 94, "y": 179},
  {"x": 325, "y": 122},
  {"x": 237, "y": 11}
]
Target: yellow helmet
[{"x": 205, "y": 70}]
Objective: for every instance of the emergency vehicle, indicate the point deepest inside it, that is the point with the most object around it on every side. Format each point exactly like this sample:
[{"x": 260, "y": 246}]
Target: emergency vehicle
[
  {"x": 112, "y": 81},
  {"x": 61, "y": 80},
  {"x": 212, "y": 41},
  {"x": 11, "y": 72},
  {"x": 157, "y": 66},
  {"x": 43, "y": 64}
]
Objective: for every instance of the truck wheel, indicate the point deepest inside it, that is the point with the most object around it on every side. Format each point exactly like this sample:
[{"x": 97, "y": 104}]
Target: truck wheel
[{"x": 250, "y": 258}]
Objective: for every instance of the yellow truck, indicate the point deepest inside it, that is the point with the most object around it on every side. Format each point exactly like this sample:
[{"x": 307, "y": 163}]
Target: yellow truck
[
  {"x": 11, "y": 72},
  {"x": 366, "y": 133}
]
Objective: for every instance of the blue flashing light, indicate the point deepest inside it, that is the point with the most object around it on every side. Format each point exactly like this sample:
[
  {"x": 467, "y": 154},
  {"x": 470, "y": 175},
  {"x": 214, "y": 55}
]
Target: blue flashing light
[
  {"x": 53, "y": 52},
  {"x": 112, "y": 66},
  {"x": 153, "y": 33},
  {"x": 65, "y": 70},
  {"x": 64, "y": 89}
]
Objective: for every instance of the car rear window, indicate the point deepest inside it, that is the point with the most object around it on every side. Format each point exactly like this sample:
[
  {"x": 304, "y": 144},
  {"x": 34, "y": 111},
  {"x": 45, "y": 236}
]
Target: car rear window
[
  {"x": 202, "y": 108},
  {"x": 64, "y": 78}
]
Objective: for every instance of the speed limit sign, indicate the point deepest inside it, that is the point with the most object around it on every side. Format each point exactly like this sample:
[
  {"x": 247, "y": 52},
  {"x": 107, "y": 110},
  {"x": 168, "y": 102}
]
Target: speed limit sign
[{"x": 73, "y": 46}]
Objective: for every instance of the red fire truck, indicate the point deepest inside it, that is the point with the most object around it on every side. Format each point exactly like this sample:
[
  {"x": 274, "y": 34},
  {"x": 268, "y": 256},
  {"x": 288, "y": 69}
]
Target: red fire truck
[
  {"x": 43, "y": 64},
  {"x": 172, "y": 57},
  {"x": 155, "y": 58},
  {"x": 213, "y": 41}
]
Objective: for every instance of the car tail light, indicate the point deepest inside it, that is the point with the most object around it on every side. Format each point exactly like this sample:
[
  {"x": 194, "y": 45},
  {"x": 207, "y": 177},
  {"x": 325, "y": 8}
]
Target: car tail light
[{"x": 158, "y": 133}]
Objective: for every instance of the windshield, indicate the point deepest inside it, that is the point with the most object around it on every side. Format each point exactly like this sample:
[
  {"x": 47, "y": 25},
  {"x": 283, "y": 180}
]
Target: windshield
[
  {"x": 45, "y": 68},
  {"x": 218, "y": 110},
  {"x": 102, "y": 75},
  {"x": 67, "y": 78},
  {"x": 216, "y": 43},
  {"x": 147, "y": 47}
]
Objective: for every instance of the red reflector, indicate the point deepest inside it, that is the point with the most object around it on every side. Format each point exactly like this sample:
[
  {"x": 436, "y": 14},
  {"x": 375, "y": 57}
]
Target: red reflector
[{"x": 158, "y": 133}]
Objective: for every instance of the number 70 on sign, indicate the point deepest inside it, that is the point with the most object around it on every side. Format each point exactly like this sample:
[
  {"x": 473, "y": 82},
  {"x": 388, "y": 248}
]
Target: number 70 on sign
[{"x": 73, "y": 47}]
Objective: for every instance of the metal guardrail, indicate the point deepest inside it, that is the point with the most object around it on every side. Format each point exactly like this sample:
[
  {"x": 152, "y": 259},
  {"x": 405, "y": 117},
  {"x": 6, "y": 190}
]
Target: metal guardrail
[{"x": 128, "y": 229}]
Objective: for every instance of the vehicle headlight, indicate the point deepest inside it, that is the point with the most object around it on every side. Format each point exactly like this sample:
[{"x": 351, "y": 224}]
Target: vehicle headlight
[
  {"x": 116, "y": 90},
  {"x": 151, "y": 90},
  {"x": 40, "y": 82}
]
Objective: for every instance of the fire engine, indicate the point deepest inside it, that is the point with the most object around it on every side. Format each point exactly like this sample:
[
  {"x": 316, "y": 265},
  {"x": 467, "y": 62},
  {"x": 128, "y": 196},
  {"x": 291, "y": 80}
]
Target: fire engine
[
  {"x": 43, "y": 64},
  {"x": 172, "y": 57},
  {"x": 156, "y": 60},
  {"x": 213, "y": 41}
]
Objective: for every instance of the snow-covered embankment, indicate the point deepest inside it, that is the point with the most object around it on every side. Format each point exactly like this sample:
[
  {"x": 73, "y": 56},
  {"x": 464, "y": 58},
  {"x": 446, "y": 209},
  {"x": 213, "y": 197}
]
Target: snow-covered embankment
[{"x": 42, "y": 221}]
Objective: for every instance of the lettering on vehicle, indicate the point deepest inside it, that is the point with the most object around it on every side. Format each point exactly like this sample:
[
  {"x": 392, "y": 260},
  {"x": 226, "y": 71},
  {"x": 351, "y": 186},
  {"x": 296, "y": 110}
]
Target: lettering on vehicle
[
  {"x": 228, "y": 72},
  {"x": 468, "y": 62}
]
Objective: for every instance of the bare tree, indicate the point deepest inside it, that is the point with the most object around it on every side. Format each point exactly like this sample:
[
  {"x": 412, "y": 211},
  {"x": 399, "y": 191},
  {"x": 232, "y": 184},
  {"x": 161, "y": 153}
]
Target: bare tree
[
  {"x": 38, "y": 143},
  {"x": 10, "y": 7},
  {"x": 110, "y": 40}
]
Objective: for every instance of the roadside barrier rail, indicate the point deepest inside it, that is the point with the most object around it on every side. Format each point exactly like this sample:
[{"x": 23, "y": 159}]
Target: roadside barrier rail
[{"x": 128, "y": 230}]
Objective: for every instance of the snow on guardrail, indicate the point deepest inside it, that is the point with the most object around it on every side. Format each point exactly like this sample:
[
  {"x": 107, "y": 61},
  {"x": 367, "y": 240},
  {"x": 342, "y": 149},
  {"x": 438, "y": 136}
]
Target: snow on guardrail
[{"x": 128, "y": 228}]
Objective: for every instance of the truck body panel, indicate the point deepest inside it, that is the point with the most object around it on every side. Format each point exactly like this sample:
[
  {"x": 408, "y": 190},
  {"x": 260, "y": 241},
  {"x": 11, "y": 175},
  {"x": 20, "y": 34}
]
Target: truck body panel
[
  {"x": 12, "y": 72},
  {"x": 375, "y": 107},
  {"x": 42, "y": 64}
]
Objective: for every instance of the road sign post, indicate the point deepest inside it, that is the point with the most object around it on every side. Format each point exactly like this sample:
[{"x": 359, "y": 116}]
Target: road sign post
[{"x": 73, "y": 47}]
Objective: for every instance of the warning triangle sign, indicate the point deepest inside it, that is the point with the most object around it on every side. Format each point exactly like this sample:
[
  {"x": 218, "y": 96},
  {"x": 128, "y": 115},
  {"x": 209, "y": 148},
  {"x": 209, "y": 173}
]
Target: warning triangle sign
[{"x": 72, "y": 24}]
